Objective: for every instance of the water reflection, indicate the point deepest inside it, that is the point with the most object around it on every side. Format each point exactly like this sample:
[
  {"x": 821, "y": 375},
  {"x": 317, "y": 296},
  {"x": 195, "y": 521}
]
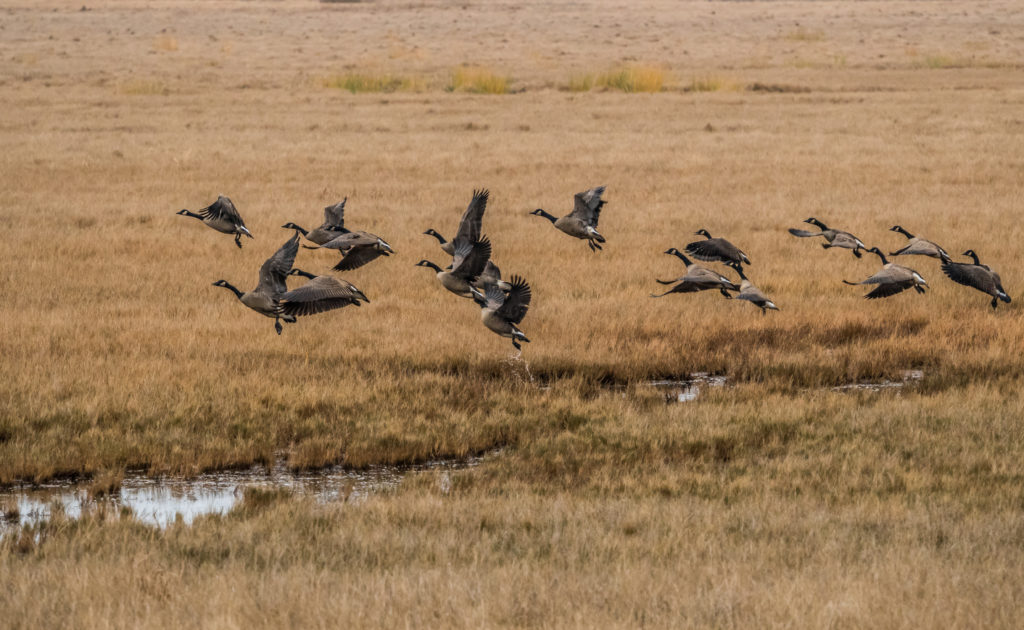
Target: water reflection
[{"x": 161, "y": 501}]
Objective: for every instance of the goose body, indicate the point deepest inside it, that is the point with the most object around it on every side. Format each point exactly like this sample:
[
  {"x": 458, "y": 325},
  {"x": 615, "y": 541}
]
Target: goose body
[
  {"x": 266, "y": 297},
  {"x": 918, "y": 246},
  {"x": 752, "y": 294},
  {"x": 582, "y": 221},
  {"x": 491, "y": 275},
  {"x": 501, "y": 312},
  {"x": 221, "y": 215},
  {"x": 470, "y": 225},
  {"x": 357, "y": 249},
  {"x": 697, "y": 278},
  {"x": 716, "y": 250},
  {"x": 892, "y": 279},
  {"x": 320, "y": 294},
  {"x": 332, "y": 227},
  {"x": 833, "y": 238},
  {"x": 977, "y": 276},
  {"x": 467, "y": 265}
]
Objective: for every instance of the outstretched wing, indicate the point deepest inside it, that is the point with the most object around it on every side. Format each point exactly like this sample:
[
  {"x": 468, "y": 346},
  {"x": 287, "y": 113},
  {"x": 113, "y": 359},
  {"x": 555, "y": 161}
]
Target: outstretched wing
[
  {"x": 349, "y": 240},
  {"x": 222, "y": 209},
  {"x": 320, "y": 294},
  {"x": 469, "y": 261},
  {"x": 970, "y": 275},
  {"x": 516, "y": 303},
  {"x": 471, "y": 223},
  {"x": 357, "y": 256},
  {"x": 587, "y": 206},
  {"x": 275, "y": 270},
  {"x": 714, "y": 249},
  {"x": 804, "y": 233},
  {"x": 890, "y": 288},
  {"x": 334, "y": 216}
]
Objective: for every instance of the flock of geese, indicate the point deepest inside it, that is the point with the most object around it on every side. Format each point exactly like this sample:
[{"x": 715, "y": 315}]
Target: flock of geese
[{"x": 503, "y": 304}]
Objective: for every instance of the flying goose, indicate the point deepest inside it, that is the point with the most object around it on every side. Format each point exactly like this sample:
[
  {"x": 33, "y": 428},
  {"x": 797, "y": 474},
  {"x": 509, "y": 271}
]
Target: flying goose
[
  {"x": 469, "y": 262},
  {"x": 978, "y": 276},
  {"x": 716, "y": 250},
  {"x": 266, "y": 297},
  {"x": 919, "y": 246},
  {"x": 332, "y": 227},
  {"x": 582, "y": 221},
  {"x": 834, "y": 238},
  {"x": 357, "y": 249},
  {"x": 892, "y": 279},
  {"x": 502, "y": 312},
  {"x": 752, "y": 294},
  {"x": 222, "y": 216},
  {"x": 320, "y": 294},
  {"x": 697, "y": 278},
  {"x": 470, "y": 225}
]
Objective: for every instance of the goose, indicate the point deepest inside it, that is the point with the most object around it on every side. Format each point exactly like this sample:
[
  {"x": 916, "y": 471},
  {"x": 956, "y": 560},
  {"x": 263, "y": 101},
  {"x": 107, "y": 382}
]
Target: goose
[
  {"x": 892, "y": 279},
  {"x": 332, "y": 227},
  {"x": 266, "y": 297},
  {"x": 470, "y": 225},
  {"x": 222, "y": 216},
  {"x": 582, "y": 221},
  {"x": 501, "y": 312},
  {"x": 468, "y": 264},
  {"x": 320, "y": 294},
  {"x": 357, "y": 249},
  {"x": 752, "y": 294},
  {"x": 697, "y": 278},
  {"x": 978, "y": 276},
  {"x": 918, "y": 246},
  {"x": 834, "y": 238},
  {"x": 716, "y": 250}
]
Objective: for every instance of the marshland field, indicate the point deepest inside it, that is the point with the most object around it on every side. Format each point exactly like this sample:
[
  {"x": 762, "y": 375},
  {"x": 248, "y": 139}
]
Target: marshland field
[{"x": 785, "y": 497}]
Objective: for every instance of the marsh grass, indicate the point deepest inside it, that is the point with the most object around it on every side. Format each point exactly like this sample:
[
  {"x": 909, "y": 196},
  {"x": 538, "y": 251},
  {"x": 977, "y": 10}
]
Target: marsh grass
[
  {"x": 477, "y": 80},
  {"x": 632, "y": 79},
  {"x": 143, "y": 87}
]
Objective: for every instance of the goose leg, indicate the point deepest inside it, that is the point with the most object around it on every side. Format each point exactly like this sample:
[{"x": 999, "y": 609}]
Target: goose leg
[
  {"x": 596, "y": 245},
  {"x": 725, "y": 293},
  {"x": 591, "y": 244},
  {"x": 238, "y": 240},
  {"x": 995, "y": 303},
  {"x": 277, "y": 325},
  {"x": 856, "y": 253},
  {"x": 516, "y": 344}
]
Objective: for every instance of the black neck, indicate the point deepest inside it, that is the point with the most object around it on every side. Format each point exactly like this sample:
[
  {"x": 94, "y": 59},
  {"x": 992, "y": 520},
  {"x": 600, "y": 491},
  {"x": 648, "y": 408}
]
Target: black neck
[
  {"x": 427, "y": 263},
  {"x": 977, "y": 261},
  {"x": 301, "y": 231},
  {"x": 821, "y": 225},
  {"x": 440, "y": 239},
  {"x": 679, "y": 254},
  {"x": 904, "y": 232},
  {"x": 880, "y": 256},
  {"x": 546, "y": 215},
  {"x": 299, "y": 272},
  {"x": 191, "y": 214},
  {"x": 238, "y": 293}
]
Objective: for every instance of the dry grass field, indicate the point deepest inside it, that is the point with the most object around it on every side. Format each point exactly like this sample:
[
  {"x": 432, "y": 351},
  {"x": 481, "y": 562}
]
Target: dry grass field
[{"x": 776, "y": 500}]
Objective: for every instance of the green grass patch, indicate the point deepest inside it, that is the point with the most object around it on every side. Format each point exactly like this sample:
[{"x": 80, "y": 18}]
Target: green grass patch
[
  {"x": 357, "y": 83},
  {"x": 633, "y": 79}
]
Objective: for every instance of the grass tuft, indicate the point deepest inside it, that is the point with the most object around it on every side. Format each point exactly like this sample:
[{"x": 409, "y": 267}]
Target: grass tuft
[
  {"x": 633, "y": 79},
  {"x": 357, "y": 83},
  {"x": 143, "y": 87},
  {"x": 805, "y": 35},
  {"x": 477, "y": 80}
]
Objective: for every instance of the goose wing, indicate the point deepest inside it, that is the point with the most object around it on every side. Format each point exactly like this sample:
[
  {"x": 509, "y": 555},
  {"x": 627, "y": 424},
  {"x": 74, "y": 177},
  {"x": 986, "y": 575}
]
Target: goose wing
[
  {"x": 587, "y": 206},
  {"x": 334, "y": 216},
  {"x": 274, "y": 271},
  {"x": 322, "y": 293},
  {"x": 970, "y": 275},
  {"x": 514, "y": 306},
  {"x": 356, "y": 257},
  {"x": 804, "y": 233},
  {"x": 471, "y": 223},
  {"x": 752, "y": 294},
  {"x": 845, "y": 239},
  {"x": 887, "y": 289},
  {"x": 470, "y": 259},
  {"x": 714, "y": 249},
  {"x": 222, "y": 209},
  {"x": 921, "y": 247}
]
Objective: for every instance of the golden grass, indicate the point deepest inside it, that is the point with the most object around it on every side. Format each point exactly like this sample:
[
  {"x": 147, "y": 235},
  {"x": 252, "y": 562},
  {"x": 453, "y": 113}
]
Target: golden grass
[
  {"x": 805, "y": 35},
  {"x": 477, "y": 80},
  {"x": 632, "y": 79},
  {"x": 357, "y": 82},
  {"x": 771, "y": 501}
]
